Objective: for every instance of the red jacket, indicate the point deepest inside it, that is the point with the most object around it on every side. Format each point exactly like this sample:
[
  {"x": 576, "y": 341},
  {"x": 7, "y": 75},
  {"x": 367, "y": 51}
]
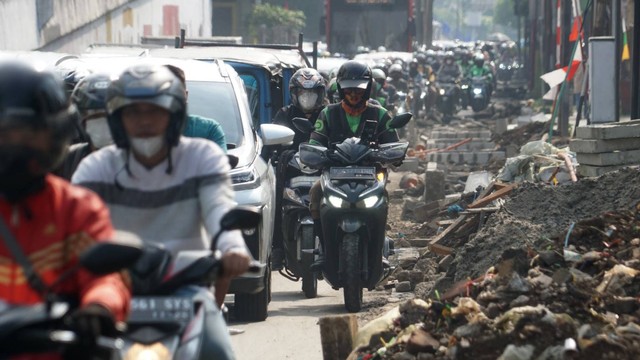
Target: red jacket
[{"x": 53, "y": 227}]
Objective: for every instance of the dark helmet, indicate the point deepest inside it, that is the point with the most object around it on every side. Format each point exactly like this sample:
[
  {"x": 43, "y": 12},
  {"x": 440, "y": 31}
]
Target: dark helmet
[
  {"x": 422, "y": 58},
  {"x": 353, "y": 74},
  {"x": 36, "y": 100},
  {"x": 90, "y": 94},
  {"x": 151, "y": 84},
  {"x": 310, "y": 81}
]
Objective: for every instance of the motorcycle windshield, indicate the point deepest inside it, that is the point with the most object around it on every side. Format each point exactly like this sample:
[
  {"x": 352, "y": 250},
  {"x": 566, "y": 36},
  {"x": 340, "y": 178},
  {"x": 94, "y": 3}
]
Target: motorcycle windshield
[
  {"x": 352, "y": 151},
  {"x": 389, "y": 153},
  {"x": 313, "y": 156}
]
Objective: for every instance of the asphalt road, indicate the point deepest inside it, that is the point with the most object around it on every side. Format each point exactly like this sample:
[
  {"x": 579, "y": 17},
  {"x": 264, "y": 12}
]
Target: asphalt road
[{"x": 291, "y": 330}]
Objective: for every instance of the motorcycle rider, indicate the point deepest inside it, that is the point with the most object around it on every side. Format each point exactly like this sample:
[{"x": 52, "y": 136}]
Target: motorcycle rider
[
  {"x": 46, "y": 215},
  {"x": 198, "y": 126},
  {"x": 345, "y": 119},
  {"x": 449, "y": 69},
  {"x": 154, "y": 173},
  {"x": 89, "y": 98},
  {"x": 481, "y": 69},
  {"x": 397, "y": 78},
  {"x": 308, "y": 97},
  {"x": 377, "y": 91}
]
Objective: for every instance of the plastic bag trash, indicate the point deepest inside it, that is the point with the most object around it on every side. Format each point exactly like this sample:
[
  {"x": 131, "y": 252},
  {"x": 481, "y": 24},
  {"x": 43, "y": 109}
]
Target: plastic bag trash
[{"x": 538, "y": 147}]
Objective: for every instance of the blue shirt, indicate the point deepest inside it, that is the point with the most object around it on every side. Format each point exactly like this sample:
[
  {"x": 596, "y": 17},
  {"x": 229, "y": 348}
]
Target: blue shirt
[{"x": 201, "y": 127}]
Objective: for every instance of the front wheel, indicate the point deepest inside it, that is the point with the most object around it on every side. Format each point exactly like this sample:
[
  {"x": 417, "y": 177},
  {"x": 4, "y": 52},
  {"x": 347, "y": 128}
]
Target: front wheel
[
  {"x": 309, "y": 278},
  {"x": 351, "y": 267}
]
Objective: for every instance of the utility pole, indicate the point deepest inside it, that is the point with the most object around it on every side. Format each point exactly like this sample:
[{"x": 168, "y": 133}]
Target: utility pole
[
  {"x": 635, "y": 62},
  {"x": 427, "y": 23},
  {"x": 617, "y": 59},
  {"x": 567, "y": 47}
]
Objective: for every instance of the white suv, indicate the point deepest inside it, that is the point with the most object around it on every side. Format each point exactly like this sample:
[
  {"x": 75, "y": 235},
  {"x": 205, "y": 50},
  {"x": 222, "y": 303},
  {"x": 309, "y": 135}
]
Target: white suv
[{"x": 217, "y": 92}]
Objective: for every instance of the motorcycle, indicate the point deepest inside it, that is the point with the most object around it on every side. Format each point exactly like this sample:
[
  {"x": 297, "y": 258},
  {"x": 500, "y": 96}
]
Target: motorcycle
[
  {"x": 300, "y": 241},
  {"x": 449, "y": 100},
  {"x": 43, "y": 328},
  {"x": 171, "y": 296},
  {"x": 511, "y": 79},
  {"x": 478, "y": 94},
  {"x": 354, "y": 208}
]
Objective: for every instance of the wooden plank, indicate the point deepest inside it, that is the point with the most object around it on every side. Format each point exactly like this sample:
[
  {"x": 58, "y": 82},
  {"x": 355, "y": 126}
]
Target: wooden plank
[
  {"x": 449, "y": 229},
  {"x": 481, "y": 202},
  {"x": 337, "y": 334},
  {"x": 440, "y": 249},
  {"x": 445, "y": 222},
  {"x": 479, "y": 210}
]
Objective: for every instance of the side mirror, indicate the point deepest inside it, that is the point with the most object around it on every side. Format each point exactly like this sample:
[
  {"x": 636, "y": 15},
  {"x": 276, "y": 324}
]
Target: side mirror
[
  {"x": 241, "y": 217},
  {"x": 400, "y": 120},
  {"x": 108, "y": 257},
  {"x": 273, "y": 134},
  {"x": 303, "y": 125}
]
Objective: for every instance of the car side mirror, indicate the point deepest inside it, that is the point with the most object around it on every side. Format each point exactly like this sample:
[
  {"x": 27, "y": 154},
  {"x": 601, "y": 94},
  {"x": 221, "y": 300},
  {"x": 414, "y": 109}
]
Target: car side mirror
[
  {"x": 241, "y": 217},
  {"x": 273, "y": 134}
]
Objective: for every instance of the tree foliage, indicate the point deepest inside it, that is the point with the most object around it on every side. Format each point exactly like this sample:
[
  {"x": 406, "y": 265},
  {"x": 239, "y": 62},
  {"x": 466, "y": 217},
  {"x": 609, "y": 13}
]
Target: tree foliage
[{"x": 272, "y": 23}]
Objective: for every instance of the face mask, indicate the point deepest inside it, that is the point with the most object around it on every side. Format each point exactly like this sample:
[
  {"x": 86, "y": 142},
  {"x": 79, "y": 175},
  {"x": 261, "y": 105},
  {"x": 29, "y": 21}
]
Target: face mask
[
  {"x": 16, "y": 180},
  {"x": 147, "y": 147},
  {"x": 307, "y": 100},
  {"x": 99, "y": 133}
]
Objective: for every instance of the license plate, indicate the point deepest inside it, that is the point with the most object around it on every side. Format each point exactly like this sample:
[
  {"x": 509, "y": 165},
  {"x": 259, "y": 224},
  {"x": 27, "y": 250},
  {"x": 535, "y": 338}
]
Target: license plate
[
  {"x": 345, "y": 173},
  {"x": 161, "y": 309}
]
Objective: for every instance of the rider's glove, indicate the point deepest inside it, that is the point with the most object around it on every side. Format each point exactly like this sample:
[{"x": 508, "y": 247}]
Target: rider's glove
[{"x": 91, "y": 322}]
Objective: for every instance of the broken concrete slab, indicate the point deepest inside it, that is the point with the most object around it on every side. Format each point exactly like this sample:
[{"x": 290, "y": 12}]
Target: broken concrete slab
[
  {"x": 434, "y": 185},
  {"x": 630, "y": 157},
  {"x": 476, "y": 144},
  {"x": 628, "y": 129},
  {"x": 599, "y": 146},
  {"x": 470, "y": 158},
  {"x": 441, "y": 134},
  {"x": 410, "y": 163},
  {"x": 595, "y": 171}
]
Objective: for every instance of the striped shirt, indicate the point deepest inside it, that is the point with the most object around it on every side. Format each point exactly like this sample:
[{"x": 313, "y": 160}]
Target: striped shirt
[{"x": 180, "y": 210}]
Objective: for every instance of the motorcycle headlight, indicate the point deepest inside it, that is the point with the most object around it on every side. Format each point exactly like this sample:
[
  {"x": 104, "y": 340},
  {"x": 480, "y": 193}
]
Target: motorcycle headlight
[
  {"x": 292, "y": 195},
  {"x": 335, "y": 201},
  {"x": 464, "y": 87},
  {"x": 371, "y": 201},
  {"x": 441, "y": 91},
  {"x": 477, "y": 91}
]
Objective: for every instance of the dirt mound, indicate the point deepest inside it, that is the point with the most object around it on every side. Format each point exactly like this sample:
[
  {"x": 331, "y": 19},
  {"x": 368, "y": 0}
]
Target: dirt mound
[
  {"x": 535, "y": 213},
  {"x": 555, "y": 275}
]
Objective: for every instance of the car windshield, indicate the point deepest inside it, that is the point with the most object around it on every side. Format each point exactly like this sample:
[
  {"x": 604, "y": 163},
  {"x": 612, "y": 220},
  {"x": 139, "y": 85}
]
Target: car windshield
[{"x": 216, "y": 100}]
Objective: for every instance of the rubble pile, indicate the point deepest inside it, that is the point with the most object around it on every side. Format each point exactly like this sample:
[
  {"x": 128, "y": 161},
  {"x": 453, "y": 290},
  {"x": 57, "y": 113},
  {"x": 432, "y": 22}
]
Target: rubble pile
[{"x": 553, "y": 274}]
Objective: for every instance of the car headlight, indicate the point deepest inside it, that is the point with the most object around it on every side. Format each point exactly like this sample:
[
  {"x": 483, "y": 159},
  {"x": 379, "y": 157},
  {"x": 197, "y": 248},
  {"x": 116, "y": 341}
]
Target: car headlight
[
  {"x": 246, "y": 178},
  {"x": 477, "y": 91},
  {"x": 335, "y": 201}
]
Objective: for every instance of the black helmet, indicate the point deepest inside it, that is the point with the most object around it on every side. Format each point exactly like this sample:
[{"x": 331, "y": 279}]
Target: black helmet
[
  {"x": 36, "y": 100},
  {"x": 151, "y": 84},
  {"x": 90, "y": 94},
  {"x": 309, "y": 80},
  {"x": 353, "y": 74}
]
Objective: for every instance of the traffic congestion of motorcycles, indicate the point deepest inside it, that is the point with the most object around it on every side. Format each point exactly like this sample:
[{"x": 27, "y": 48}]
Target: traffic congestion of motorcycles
[
  {"x": 343, "y": 242},
  {"x": 436, "y": 83}
]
